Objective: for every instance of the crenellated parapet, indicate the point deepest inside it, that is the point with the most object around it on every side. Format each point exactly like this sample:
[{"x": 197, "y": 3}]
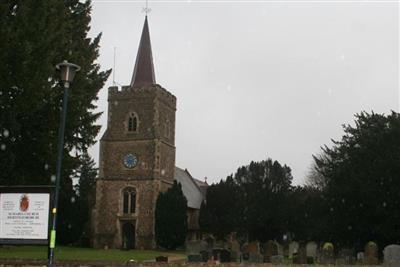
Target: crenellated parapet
[{"x": 116, "y": 93}]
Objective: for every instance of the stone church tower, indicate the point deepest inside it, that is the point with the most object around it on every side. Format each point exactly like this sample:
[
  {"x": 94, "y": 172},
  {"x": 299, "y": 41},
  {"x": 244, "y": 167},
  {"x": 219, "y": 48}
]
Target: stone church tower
[{"x": 137, "y": 157}]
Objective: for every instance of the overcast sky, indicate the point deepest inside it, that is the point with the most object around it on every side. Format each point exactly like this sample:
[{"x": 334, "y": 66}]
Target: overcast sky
[{"x": 257, "y": 79}]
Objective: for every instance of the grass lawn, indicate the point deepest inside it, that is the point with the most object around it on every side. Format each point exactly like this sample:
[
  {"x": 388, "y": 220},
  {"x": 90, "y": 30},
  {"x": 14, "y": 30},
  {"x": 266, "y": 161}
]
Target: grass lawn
[{"x": 85, "y": 254}]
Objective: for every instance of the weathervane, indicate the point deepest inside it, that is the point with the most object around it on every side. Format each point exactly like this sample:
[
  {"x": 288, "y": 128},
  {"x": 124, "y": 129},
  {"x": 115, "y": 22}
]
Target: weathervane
[{"x": 146, "y": 9}]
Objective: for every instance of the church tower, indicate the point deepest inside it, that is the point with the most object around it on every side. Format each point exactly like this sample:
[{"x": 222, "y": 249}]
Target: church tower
[{"x": 137, "y": 157}]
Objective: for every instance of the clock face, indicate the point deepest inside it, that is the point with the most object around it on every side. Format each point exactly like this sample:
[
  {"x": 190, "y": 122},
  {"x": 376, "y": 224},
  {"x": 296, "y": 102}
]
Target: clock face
[{"x": 130, "y": 161}]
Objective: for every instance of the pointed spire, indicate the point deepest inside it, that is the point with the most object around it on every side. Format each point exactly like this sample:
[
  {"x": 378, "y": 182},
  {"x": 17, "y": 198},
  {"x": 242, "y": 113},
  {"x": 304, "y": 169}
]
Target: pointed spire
[{"x": 143, "y": 73}]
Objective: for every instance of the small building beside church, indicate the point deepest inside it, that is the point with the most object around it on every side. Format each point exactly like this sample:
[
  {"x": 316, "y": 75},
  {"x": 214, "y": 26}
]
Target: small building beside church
[{"x": 137, "y": 160}]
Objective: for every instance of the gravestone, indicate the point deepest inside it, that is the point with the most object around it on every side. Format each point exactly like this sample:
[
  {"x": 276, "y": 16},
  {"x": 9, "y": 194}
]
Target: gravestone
[
  {"x": 234, "y": 248},
  {"x": 277, "y": 259},
  {"x": 194, "y": 258},
  {"x": 293, "y": 248},
  {"x": 253, "y": 248},
  {"x": 251, "y": 252},
  {"x": 286, "y": 250},
  {"x": 311, "y": 250},
  {"x": 194, "y": 247},
  {"x": 327, "y": 255},
  {"x": 280, "y": 248},
  {"x": 256, "y": 258},
  {"x": 302, "y": 253},
  {"x": 204, "y": 255},
  {"x": 221, "y": 254},
  {"x": 210, "y": 240},
  {"x": 301, "y": 256},
  {"x": 360, "y": 257},
  {"x": 346, "y": 256},
  {"x": 221, "y": 244},
  {"x": 270, "y": 249},
  {"x": 371, "y": 253},
  {"x": 391, "y": 255}
]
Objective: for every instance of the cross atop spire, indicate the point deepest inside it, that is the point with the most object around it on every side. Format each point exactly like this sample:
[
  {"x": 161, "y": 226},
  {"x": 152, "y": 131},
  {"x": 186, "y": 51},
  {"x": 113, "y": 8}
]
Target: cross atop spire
[
  {"x": 143, "y": 73},
  {"x": 146, "y": 9}
]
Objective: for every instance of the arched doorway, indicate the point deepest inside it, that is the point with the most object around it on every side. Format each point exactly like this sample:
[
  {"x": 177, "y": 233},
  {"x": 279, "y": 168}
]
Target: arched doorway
[{"x": 128, "y": 235}]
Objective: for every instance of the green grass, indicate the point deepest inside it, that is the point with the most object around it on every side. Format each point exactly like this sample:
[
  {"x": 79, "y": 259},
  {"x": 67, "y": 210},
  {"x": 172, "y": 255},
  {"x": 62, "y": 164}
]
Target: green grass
[{"x": 84, "y": 254}]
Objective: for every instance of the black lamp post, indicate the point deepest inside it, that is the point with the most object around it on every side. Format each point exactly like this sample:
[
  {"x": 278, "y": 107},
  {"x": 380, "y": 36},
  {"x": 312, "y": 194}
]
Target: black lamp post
[{"x": 67, "y": 71}]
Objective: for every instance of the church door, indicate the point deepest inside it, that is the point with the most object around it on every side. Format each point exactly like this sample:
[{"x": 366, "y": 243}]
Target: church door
[{"x": 128, "y": 236}]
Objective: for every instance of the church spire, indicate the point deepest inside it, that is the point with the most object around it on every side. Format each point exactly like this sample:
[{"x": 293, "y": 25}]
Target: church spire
[{"x": 143, "y": 73}]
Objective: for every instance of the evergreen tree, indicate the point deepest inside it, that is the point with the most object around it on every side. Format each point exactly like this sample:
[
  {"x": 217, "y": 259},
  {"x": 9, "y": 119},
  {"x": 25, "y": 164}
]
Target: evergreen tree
[
  {"x": 171, "y": 218},
  {"x": 361, "y": 173},
  {"x": 254, "y": 202},
  {"x": 220, "y": 214},
  {"x": 265, "y": 186},
  {"x": 86, "y": 175},
  {"x": 36, "y": 35}
]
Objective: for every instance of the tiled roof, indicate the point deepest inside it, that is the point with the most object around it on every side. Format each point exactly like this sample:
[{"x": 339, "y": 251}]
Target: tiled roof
[{"x": 193, "y": 193}]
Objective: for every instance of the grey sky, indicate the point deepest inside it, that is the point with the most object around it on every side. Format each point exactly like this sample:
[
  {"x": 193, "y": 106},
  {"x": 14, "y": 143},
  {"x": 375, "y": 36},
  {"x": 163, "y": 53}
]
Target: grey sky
[{"x": 258, "y": 79}]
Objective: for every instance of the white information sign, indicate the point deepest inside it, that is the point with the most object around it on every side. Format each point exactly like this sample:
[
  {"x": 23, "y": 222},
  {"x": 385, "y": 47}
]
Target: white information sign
[{"x": 24, "y": 215}]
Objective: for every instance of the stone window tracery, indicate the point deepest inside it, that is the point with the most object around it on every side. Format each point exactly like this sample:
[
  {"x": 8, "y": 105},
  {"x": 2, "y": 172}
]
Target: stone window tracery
[
  {"x": 129, "y": 201},
  {"x": 133, "y": 122}
]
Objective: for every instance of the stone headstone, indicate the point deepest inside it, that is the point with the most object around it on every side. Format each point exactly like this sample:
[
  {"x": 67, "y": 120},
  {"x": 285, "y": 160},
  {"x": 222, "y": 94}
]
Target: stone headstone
[
  {"x": 300, "y": 257},
  {"x": 391, "y": 255},
  {"x": 302, "y": 254},
  {"x": 327, "y": 255},
  {"x": 256, "y": 258},
  {"x": 280, "y": 248},
  {"x": 194, "y": 247},
  {"x": 360, "y": 256},
  {"x": 205, "y": 255},
  {"x": 286, "y": 250},
  {"x": 245, "y": 256},
  {"x": 221, "y": 244},
  {"x": 277, "y": 259},
  {"x": 225, "y": 255},
  {"x": 270, "y": 249},
  {"x": 251, "y": 252},
  {"x": 234, "y": 245},
  {"x": 253, "y": 247},
  {"x": 221, "y": 255},
  {"x": 194, "y": 258},
  {"x": 346, "y": 256},
  {"x": 293, "y": 248},
  {"x": 311, "y": 249},
  {"x": 210, "y": 240},
  {"x": 234, "y": 248},
  {"x": 371, "y": 253}
]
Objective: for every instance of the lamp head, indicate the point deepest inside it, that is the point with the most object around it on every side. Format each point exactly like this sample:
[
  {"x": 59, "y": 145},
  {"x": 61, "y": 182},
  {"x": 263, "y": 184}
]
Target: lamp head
[{"x": 67, "y": 71}]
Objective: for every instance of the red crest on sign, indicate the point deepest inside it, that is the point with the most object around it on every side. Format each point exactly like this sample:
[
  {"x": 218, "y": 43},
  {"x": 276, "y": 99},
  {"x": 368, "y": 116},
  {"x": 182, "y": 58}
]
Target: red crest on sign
[{"x": 24, "y": 203}]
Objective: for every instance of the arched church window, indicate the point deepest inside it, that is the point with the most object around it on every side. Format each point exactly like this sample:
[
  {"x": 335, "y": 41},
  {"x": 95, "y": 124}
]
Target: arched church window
[
  {"x": 129, "y": 201},
  {"x": 133, "y": 122}
]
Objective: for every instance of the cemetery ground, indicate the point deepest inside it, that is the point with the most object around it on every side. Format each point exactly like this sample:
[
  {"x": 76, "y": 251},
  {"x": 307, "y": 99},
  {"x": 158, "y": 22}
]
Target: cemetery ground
[{"x": 64, "y": 253}]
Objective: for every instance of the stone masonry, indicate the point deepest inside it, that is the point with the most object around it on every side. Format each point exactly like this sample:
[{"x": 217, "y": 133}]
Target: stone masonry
[{"x": 153, "y": 143}]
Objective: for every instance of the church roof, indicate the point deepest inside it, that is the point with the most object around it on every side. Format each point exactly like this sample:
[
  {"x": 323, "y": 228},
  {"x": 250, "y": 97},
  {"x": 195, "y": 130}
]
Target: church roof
[
  {"x": 143, "y": 73},
  {"x": 191, "y": 190},
  {"x": 202, "y": 185}
]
